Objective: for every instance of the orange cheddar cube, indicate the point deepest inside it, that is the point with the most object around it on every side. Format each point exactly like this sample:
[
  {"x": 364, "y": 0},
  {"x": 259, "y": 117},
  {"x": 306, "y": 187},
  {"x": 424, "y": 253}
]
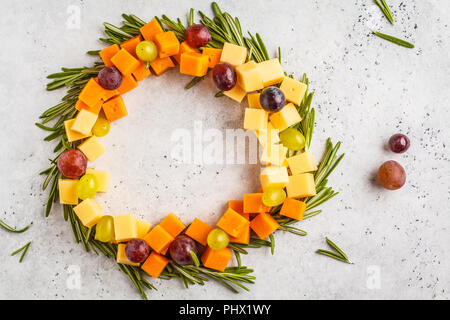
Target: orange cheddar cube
[
  {"x": 141, "y": 72},
  {"x": 193, "y": 64},
  {"x": 216, "y": 259},
  {"x": 161, "y": 65},
  {"x": 158, "y": 239},
  {"x": 238, "y": 206},
  {"x": 199, "y": 230},
  {"x": 131, "y": 44},
  {"x": 151, "y": 29},
  {"x": 80, "y": 105},
  {"x": 264, "y": 225},
  {"x": 108, "y": 94},
  {"x": 155, "y": 264},
  {"x": 173, "y": 225},
  {"x": 294, "y": 209},
  {"x": 253, "y": 203},
  {"x": 128, "y": 84},
  {"x": 184, "y": 47},
  {"x": 232, "y": 223},
  {"x": 115, "y": 109},
  {"x": 167, "y": 43},
  {"x": 107, "y": 53},
  {"x": 213, "y": 55},
  {"x": 92, "y": 93},
  {"x": 125, "y": 62},
  {"x": 243, "y": 237}
]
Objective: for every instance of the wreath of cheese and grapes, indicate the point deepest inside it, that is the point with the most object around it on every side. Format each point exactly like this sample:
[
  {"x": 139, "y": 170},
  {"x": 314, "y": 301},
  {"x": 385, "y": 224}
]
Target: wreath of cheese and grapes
[{"x": 279, "y": 112}]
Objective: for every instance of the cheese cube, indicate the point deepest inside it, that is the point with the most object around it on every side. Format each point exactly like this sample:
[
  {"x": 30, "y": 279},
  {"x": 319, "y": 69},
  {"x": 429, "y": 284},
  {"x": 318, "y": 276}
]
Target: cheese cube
[
  {"x": 274, "y": 154},
  {"x": 302, "y": 163},
  {"x": 255, "y": 119},
  {"x": 276, "y": 177},
  {"x": 216, "y": 259},
  {"x": 269, "y": 136},
  {"x": 102, "y": 178},
  {"x": 173, "y": 225},
  {"x": 89, "y": 212},
  {"x": 84, "y": 122},
  {"x": 293, "y": 90},
  {"x": 92, "y": 148},
  {"x": 253, "y": 101},
  {"x": 159, "y": 239},
  {"x": 92, "y": 93},
  {"x": 122, "y": 257},
  {"x": 155, "y": 264},
  {"x": 271, "y": 72},
  {"x": 301, "y": 186},
  {"x": 143, "y": 227},
  {"x": 237, "y": 93},
  {"x": 249, "y": 76},
  {"x": 288, "y": 116},
  {"x": 72, "y": 135},
  {"x": 233, "y": 54},
  {"x": 68, "y": 191},
  {"x": 125, "y": 62},
  {"x": 125, "y": 227}
]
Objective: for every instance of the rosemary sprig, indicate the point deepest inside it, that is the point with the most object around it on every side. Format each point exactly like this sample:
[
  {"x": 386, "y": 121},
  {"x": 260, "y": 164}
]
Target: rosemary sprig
[
  {"x": 24, "y": 251},
  {"x": 338, "y": 254},
  {"x": 13, "y": 230},
  {"x": 395, "y": 40},
  {"x": 385, "y": 8}
]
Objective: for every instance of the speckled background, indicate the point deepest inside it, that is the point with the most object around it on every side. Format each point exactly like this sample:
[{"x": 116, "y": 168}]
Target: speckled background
[{"x": 366, "y": 90}]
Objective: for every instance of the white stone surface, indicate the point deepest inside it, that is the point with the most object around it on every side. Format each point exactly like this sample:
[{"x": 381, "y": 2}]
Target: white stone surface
[{"x": 366, "y": 90}]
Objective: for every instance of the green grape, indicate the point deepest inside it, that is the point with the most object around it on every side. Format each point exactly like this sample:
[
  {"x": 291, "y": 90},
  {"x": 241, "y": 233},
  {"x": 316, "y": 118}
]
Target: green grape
[
  {"x": 147, "y": 51},
  {"x": 218, "y": 239},
  {"x": 87, "y": 187},
  {"x": 273, "y": 197},
  {"x": 104, "y": 231},
  {"x": 101, "y": 127},
  {"x": 292, "y": 139}
]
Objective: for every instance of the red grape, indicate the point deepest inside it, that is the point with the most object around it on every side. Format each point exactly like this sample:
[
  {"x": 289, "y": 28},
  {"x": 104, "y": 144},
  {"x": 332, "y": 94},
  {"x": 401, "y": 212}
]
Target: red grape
[
  {"x": 198, "y": 36},
  {"x": 137, "y": 250},
  {"x": 391, "y": 175},
  {"x": 224, "y": 76},
  {"x": 399, "y": 143},
  {"x": 272, "y": 99},
  {"x": 72, "y": 163},
  {"x": 180, "y": 249},
  {"x": 110, "y": 78}
]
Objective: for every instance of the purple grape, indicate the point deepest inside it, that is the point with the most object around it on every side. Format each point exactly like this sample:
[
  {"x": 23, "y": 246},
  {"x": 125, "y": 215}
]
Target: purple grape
[
  {"x": 224, "y": 76},
  {"x": 198, "y": 36},
  {"x": 137, "y": 250},
  {"x": 180, "y": 249},
  {"x": 399, "y": 143},
  {"x": 72, "y": 163},
  {"x": 272, "y": 99},
  {"x": 110, "y": 78}
]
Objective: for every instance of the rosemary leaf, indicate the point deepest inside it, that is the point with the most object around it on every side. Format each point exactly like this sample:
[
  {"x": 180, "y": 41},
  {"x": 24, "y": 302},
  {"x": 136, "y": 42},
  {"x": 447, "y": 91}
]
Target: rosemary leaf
[
  {"x": 395, "y": 40},
  {"x": 13, "y": 230}
]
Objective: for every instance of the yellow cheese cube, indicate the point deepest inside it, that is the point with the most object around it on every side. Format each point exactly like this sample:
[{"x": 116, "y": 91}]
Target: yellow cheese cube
[
  {"x": 301, "y": 186},
  {"x": 249, "y": 77},
  {"x": 125, "y": 227},
  {"x": 92, "y": 148},
  {"x": 102, "y": 178},
  {"x": 293, "y": 90},
  {"x": 73, "y": 135},
  {"x": 276, "y": 177},
  {"x": 288, "y": 116},
  {"x": 233, "y": 54},
  {"x": 255, "y": 119},
  {"x": 68, "y": 191},
  {"x": 274, "y": 155},
  {"x": 84, "y": 122},
  {"x": 89, "y": 212},
  {"x": 269, "y": 136},
  {"x": 302, "y": 163},
  {"x": 122, "y": 256},
  {"x": 237, "y": 93},
  {"x": 271, "y": 72},
  {"x": 253, "y": 101},
  {"x": 143, "y": 227}
]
